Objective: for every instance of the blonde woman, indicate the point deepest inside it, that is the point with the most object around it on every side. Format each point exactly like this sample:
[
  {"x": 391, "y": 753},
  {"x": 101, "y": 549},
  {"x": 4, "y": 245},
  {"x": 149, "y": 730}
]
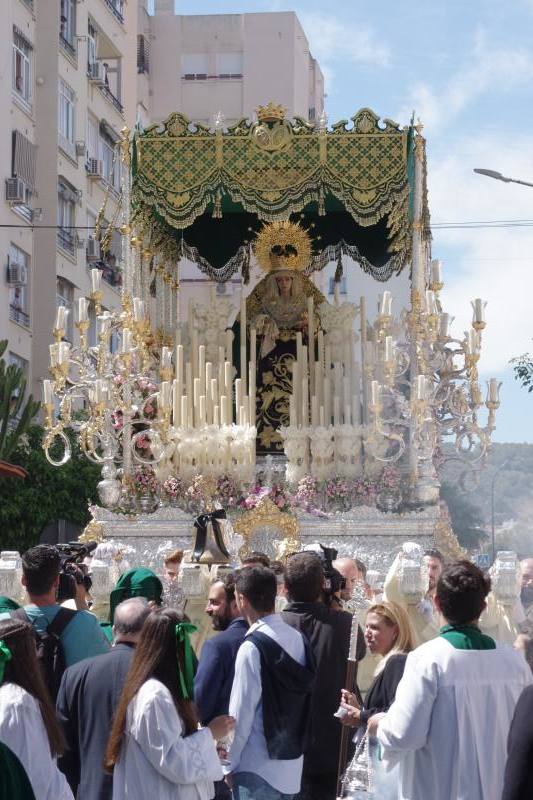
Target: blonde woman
[{"x": 387, "y": 634}]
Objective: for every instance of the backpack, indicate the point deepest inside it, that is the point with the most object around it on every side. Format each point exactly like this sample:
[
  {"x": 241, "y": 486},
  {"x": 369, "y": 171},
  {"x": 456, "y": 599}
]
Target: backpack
[{"x": 50, "y": 652}]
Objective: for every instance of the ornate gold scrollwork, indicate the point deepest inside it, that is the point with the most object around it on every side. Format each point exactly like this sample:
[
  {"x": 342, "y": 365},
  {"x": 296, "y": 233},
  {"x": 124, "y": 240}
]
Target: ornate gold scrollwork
[{"x": 282, "y": 529}]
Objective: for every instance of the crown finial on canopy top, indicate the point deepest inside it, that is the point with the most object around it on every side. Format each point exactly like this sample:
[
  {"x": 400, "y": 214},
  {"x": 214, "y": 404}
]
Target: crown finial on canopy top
[
  {"x": 271, "y": 113},
  {"x": 283, "y": 246}
]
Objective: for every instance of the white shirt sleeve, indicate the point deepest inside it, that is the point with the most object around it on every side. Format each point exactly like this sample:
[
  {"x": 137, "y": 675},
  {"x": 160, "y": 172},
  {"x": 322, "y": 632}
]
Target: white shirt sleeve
[
  {"x": 157, "y": 728},
  {"x": 245, "y": 697},
  {"x": 22, "y": 730},
  {"x": 405, "y": 726}
]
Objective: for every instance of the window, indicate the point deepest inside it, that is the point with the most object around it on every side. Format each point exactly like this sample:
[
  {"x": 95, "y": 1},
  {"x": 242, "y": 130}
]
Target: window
[
  {"x": 67, "y": 25},
  {"x": 91, "y": 47},
  {"x": 229, "y": 65},
  {"x": 23, "y": 164},
  {"x": 117, "y": 8},
  {"x": 67, "y": 107},
  {"x": 66, "y": 215},
  {"x": 92, "y": 137},
  {"x": 110, "y": 164},
  {"x": 342, "y": 286},
  {"x": 22, "y": 55},
  {"x": 194, "y": 66},
  {"x": 65, "y": 297},
  {"x": 19, "y": 295},
  {"x": 312, "y": 114}
]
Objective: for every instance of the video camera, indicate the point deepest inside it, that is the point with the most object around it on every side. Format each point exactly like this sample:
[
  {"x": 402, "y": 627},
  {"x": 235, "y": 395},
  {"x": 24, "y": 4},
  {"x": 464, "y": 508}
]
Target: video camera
[
  {"x": 73, "y": 571},
  {"x": 334, "y": 581}
]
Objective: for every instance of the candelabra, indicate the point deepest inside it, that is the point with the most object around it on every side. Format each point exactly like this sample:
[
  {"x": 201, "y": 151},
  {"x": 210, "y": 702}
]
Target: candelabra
[{"x": 132, "y": 397}]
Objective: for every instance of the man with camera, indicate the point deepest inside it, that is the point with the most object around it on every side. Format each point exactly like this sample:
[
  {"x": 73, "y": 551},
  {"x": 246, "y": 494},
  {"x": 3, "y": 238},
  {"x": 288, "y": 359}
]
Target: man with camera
[
  {"x": 311, "y": 582},
  {"x": 78, "y": 632}
]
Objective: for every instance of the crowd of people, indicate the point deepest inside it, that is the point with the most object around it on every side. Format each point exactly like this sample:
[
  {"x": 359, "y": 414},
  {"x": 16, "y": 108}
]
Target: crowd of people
[{"x": 271, "y": 707}]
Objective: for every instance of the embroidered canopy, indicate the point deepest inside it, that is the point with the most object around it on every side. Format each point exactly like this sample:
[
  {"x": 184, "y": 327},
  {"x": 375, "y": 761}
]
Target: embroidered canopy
[{"x": 202, "y": 194}]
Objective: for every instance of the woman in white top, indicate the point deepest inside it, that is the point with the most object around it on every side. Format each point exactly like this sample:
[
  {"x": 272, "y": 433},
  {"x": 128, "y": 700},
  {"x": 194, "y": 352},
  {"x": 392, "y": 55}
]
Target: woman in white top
[
  {"x": 156, "y": 749},
  {"x": 28, "y": 724}
]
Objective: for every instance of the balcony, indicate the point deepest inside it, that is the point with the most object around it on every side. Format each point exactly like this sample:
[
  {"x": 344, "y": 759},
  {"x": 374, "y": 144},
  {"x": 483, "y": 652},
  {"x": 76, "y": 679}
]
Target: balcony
[
  {"x": 108, "y": 94},
  {"x": 116, "y": 7},
  {"x": 19, "y": 316},
  {"x": 111, "y": 274},
  {"x": 66, "y": 240},
  {"x": 67, "y": 46}
]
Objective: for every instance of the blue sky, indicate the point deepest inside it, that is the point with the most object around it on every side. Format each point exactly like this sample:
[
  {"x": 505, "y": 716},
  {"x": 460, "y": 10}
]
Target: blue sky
[{"x": 466, "y": 68}]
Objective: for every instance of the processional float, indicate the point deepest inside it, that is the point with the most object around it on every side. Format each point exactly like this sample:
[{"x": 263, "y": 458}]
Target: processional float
[{"x": 338, "y": 396}]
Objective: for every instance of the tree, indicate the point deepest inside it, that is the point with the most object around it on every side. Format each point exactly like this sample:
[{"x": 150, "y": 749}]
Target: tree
[
  {"x": 523, "y": 370},
  {"x": 48, "y": 493},
  {"x": 466, "y": 518},
  {"x": 15, "y": 414}
]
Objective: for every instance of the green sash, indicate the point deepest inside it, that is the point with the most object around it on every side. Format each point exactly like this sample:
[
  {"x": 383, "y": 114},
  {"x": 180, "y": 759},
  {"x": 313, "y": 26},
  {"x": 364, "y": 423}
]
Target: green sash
[{"x": 467, "y": 637}]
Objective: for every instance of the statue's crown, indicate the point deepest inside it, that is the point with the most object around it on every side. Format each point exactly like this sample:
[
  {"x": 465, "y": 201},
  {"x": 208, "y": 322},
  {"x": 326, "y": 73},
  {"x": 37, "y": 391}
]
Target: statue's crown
[{"x": 271, "y": 113}]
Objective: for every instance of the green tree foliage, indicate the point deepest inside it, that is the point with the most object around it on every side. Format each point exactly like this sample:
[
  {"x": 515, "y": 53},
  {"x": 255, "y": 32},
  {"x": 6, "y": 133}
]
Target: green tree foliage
[
  {"x": 16, "y": 414},
  {"x": 523, "y": 370},
  {"x": 47, "y": 494},
  {"x": 466, "y": 518}
]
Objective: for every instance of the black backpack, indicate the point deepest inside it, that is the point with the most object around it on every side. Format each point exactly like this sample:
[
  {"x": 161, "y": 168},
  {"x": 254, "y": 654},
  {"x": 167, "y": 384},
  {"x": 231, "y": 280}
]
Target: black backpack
[{"x": 49, "y": 648}]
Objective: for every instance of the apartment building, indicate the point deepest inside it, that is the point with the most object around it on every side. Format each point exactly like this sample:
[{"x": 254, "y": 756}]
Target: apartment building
[
  {"x": 229, "y": 63},
  {"x": 65, "y": 100}
]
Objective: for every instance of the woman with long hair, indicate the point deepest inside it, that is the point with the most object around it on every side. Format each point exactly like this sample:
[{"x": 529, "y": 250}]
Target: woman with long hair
[
  {"x": 156, "y": 749},
  {"x": 28, "y": 725},
  {"x": 388, "y": 634}
]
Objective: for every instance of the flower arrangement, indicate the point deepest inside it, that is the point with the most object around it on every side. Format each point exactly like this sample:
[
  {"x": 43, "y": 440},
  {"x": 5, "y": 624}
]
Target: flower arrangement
[
  {"x": 145, "y": 480},
  {"x": 307, "y": 496},
  {"x": 365, "y": 492},
  {"x": 172, "y": 487},
  {"x": 228, "y": 492},
  {"x": 276, "y": 493},
  {"x": 389, "y": 480},
  {"x": 337, "y": 489}
]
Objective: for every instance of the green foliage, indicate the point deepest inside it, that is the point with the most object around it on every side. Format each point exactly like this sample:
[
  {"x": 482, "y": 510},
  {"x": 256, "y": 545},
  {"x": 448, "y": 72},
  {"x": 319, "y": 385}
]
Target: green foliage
[
  {"x": 15, "y": 414},
  {"x": 523, "y": 370},
  {"x": 47, "y": 494}
]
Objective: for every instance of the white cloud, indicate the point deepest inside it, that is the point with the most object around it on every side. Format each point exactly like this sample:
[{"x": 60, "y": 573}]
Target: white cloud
[
  {"x": 332, "y": 40},
  {"x": 488, "y": 69},
  {"x": 494, "y": 264}
]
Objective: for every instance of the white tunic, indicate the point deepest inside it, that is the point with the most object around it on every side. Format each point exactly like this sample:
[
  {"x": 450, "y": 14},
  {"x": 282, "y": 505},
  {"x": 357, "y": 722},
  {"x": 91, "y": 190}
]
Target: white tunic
[
  {"x": 22, "y": 730},
  {"x": 449, "y": 722},
  {"x": 157, "y": 762}
]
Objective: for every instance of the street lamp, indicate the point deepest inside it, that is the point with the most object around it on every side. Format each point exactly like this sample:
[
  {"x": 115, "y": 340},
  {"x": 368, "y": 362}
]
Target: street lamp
[
  {"x": 491, "y": 173},
  {"x": 494, "y": 476}
]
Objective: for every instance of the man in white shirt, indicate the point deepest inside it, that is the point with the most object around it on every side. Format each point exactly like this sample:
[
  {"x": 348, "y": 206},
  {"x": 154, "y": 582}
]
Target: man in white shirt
[
  {"x": 448, "y": 725},
  {"x": 270, "y": 698}
]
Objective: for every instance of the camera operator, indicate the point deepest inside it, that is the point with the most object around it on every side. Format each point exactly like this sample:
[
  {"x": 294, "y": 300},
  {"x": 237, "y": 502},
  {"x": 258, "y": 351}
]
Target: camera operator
[
  {"x": 78, "y": 593},
  {"x": 312, "y": 584}
]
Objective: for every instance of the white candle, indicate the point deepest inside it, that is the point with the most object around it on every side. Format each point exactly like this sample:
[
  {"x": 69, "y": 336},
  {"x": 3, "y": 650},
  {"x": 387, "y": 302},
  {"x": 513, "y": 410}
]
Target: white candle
[
  {"x": 47, "y": 392},
  {"x": 96, "y": 280},
  {"x": 389, "y": 350},
  {"x": 164, "y": 394},
  {"x": 436, "y": 275},
  {"x": 494, "y": 390},
  {"x": 327, "y": 401},
  {"x": 243, "y": 339},
  {"x": 53, "y": 354},
  {"x": 188, "y": 387},
  {"x": 421, "y": 388},
  {"x": 216, "y": 416},
  {"x": 179, "y": 363},
  {"x": 356, "y": 410},
  {"x": 292, "y": 411},
  {"x": 374, "y": 393},
  {"x": 314, "y": 410},
  {"x": 385, "y": 309},
  {"x": 63, "y": 352},
  {"x": 478, "y": 307},
  {"x": 196, "y": 399},
  {"x": 336, "y": 293},
  {"x": 83, "y": 306},
  {"x": 238, "y": 397},
  {"x": 61, "y": 318},
  {"x": 176, "y": 403},
  {"x": 201, "y": 367},
  {"x": 321, "y": 347},
  {"x": 321, "y": 416},
  {"x": 166, "y": 358},
  {"x": 310, "y": 328},
  {"x": 431, "y": 303},
  {"x": 252, "y": 393},
  {"x": 347, "y": 414},
  {"x": 228, "y": 369},
  {"x": 184, "y": 411},
  {"x": 445, "y": 320},
  {"x": 305, "y": 403},
  {"x": 194, "y": 353},
  {"x": 202, "y": 410},
  {"x": 472, "y": 342},
  {"x": 214, "y": 391},
  {"x": 253, "y": 345},
  {"x": 224, "y": 415},
  {"x": 138, "y": 309},
  {"x": 126, "y": 340}
]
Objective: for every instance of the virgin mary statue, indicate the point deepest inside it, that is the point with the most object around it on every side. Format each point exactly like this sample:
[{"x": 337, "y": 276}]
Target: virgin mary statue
[{"x": 277, "y": 308}]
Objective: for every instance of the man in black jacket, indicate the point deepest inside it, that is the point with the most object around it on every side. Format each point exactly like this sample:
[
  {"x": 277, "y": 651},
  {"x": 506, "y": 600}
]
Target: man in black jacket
[
  {"x": 329, "y": 633},
  {"x": 518, "y": 780},
  {"x": 87, "y": 699}
]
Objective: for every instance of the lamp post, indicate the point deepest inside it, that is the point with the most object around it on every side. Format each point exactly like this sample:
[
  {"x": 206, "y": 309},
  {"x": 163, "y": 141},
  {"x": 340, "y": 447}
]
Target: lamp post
[
  {"x": 491, "y": 173},
  {"x": 494, "y": 476}
]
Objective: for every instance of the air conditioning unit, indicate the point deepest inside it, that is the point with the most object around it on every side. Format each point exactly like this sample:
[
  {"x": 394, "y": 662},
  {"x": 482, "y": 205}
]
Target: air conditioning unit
[
  {"x": 96, "y": 73},
  {"x": 80, "y": 243},
  {"x": 95, "y": 168},
  {"x": 92, "y": 251},
  {"x": 17, "y": 274},
  {"x": 80, "y": 149},
  {"x": 15, "y": 191}
]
